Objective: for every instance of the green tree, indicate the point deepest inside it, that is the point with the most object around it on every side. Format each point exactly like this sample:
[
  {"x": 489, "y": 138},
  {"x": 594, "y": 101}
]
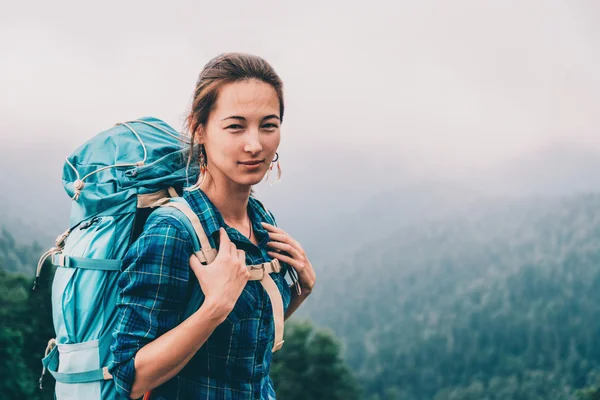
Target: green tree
[
  {"x": 25, "y": 328},
  {"x": 588, "y": 394},
  {"x": 310, "y": 367}
]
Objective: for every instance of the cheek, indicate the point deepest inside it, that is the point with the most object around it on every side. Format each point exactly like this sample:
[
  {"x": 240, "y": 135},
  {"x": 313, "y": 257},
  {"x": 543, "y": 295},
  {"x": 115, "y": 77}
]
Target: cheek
[
  {"x": 271, "y": 142},
  {"x": 226, "y": 150}
]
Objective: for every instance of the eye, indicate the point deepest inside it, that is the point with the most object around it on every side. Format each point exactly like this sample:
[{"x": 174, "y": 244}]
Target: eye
[
  {"x": 270, "y": 127},
  {"x": 234, "y": 127}
]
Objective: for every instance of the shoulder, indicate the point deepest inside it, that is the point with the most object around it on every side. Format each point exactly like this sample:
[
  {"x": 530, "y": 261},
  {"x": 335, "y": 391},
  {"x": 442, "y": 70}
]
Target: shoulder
[
  {"x": 163, "y": 233},
  {"x": 164, "y": 245},
  {"x": 163, "y": 220},
  {"x": 264, "y": 213}
]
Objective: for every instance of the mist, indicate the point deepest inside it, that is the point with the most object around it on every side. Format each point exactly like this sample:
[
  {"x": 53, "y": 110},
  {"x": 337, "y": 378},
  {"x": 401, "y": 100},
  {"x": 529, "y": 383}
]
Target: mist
[
  {"x": 436, "y": 88},
  {"x": 483, "y": 98}
]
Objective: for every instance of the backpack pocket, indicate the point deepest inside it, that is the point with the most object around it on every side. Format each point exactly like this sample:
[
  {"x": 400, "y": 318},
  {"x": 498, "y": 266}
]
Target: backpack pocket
[
  {"x": 80, "y": 314},
  {"x": 76, "y": 358}
]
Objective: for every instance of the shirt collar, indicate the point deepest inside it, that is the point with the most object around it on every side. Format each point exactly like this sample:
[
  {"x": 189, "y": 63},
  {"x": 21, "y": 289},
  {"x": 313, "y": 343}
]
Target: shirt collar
[{"x": 212, "y": 220}]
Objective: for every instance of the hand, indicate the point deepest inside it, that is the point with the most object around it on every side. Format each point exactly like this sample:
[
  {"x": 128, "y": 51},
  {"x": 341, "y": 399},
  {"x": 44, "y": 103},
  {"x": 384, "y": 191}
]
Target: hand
[
  {"x": 223, "y": 280},
  {"x": 295, "y": 257}
]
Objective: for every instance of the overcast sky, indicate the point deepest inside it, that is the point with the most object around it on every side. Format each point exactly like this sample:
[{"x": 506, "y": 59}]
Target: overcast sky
[{"x": 439, "y": 84}]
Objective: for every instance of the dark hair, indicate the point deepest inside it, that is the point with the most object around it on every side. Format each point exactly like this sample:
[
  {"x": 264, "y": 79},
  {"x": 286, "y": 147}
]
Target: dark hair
[{"x": 221, "y": 70}]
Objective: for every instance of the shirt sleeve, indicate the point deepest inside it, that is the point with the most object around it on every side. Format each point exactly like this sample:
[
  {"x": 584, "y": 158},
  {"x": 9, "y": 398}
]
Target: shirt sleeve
[{"x": 153, "y": 289}]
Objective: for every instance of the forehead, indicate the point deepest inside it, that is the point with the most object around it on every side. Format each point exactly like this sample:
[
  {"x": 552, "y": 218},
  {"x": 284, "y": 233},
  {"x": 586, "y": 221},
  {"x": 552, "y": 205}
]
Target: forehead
[{"x": 249, "y": 98}]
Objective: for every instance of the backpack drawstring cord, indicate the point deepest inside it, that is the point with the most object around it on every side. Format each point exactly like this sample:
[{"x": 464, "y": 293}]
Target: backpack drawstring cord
[{"x": 79, "y": 183}]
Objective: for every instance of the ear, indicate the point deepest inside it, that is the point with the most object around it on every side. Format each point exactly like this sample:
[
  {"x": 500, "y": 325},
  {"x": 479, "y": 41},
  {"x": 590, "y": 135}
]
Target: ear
[{"x": 199, "y": 134}]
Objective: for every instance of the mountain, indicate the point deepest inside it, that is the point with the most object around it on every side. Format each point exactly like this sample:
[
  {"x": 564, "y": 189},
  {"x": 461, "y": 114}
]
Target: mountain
[
  {"x": 504, "y": 295},
  {"x": 384, "y": 213}
]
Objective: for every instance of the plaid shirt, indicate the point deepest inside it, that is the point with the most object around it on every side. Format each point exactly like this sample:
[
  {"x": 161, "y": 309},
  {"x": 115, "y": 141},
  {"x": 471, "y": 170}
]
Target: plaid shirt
[{"x": 155, "y": 288}]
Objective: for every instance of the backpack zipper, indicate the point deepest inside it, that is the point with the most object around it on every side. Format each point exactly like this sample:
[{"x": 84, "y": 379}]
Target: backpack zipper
[{"x": 89, "y": 223}]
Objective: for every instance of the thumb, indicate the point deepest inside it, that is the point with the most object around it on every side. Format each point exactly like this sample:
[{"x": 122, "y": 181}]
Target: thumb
[
  {"x": 195, "y": 264},
  {"x": 241, "y": 254}
]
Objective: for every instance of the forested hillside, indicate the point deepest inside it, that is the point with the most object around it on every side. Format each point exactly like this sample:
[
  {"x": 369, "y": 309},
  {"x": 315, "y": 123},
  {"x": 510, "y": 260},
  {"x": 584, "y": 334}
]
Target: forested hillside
[
  {"x": 25, "y": 328},
  {"x": 501, "y": 302}
]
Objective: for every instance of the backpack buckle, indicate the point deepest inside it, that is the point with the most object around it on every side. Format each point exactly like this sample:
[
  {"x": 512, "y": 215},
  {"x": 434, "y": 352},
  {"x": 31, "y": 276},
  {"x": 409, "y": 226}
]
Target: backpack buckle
[
  {"x": 60, "y": 239},
  {"x": 259, "y": 267}
]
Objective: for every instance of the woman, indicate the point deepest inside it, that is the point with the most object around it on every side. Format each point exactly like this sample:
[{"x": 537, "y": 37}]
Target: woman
[{"x": 223, "y": 350}]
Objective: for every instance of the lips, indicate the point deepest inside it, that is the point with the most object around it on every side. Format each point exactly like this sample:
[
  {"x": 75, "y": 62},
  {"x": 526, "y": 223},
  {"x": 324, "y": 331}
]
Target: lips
[{"x": 255, "y": 162}]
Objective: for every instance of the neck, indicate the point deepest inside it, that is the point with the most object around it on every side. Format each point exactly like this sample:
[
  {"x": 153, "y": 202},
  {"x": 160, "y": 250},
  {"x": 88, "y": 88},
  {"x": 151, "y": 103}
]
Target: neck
[{"x": 231, "y": 199}]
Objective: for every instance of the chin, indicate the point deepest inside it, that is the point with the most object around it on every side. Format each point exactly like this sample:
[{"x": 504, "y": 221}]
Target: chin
[{"x": 249, "y": 180}]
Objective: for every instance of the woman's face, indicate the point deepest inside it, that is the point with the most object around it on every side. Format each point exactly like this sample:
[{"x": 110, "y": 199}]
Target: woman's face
[{"x": 242, "y": 133}]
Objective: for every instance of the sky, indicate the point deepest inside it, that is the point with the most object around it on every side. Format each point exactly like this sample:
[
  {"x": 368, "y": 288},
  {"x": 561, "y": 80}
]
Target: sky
[{"x": 431, "y": 85}]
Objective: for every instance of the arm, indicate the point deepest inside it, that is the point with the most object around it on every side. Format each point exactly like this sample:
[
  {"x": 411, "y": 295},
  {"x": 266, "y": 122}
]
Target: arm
[
  {"x": 223, "y": 280},
  {"x": 163, "y": 358},
  {"x": 151, "y": 343},
  {"x": 153, "y": 293}
]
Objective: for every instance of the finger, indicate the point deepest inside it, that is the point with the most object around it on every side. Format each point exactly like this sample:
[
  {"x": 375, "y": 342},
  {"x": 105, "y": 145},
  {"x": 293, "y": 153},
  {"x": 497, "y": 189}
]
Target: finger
[
  {"x": 285, "y": 238},
  {"x": 195, "y": 263},
  {"x": 241, "y": 254},
  {"x": 224, "y": 242},
  {"x": 242, "y": 257},
  {"x": 279, "y": 237},
  {"x": 288, "y": 248},
  {"x": 297, "y": 265},
  {"x": 233, "y": 250},
  {"x": 272, "y": 228}
]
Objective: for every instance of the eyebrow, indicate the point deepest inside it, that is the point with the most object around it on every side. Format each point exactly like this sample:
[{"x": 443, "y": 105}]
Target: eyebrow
[
  {"x": 235, "y": 117},
  {"x": 271, "y": 116},
  {"x": 243, "y": 119}
]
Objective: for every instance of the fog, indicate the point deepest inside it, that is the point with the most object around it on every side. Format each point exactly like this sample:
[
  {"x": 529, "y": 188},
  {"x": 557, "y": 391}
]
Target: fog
[
  {"x": 437, "y": 85},
  {"x": 378, "y": 94}
]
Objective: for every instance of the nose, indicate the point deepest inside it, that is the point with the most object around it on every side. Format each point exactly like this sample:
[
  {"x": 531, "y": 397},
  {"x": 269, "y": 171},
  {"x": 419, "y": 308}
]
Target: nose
[{"x": 253, "y": 145}]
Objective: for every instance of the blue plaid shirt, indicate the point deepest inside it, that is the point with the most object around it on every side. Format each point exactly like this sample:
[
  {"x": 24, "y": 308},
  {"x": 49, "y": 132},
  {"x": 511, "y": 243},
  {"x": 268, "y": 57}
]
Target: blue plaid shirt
[{"x": 155, "y": 289}]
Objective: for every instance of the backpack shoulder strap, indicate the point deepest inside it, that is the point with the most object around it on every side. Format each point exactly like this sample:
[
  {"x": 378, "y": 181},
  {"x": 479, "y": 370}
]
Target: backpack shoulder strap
[{"x": 180, "y": 209}]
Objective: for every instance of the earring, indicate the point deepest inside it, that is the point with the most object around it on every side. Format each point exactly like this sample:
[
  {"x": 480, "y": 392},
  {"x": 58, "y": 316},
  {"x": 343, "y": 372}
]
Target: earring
[
  {"x": 203, "y": 165},
  {"x": 202, "y": 160},
  {"x": 279, "y": 172}
]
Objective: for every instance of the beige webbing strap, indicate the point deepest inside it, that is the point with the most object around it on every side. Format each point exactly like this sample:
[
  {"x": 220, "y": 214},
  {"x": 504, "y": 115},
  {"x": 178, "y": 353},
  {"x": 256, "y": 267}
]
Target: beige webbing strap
[
  {"x": 173, "y": 192},
  {"x": 149, "y": 199},
  {"x": 277, "y": 303},
  {"x": 259, "y": 270},
  {"x": 209, "y": 254},
  {"x": 261, "y": 273}
]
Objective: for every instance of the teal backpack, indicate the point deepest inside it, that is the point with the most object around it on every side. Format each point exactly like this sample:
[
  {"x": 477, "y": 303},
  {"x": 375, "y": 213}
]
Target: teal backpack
[{"x": 116, "y": 180}]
